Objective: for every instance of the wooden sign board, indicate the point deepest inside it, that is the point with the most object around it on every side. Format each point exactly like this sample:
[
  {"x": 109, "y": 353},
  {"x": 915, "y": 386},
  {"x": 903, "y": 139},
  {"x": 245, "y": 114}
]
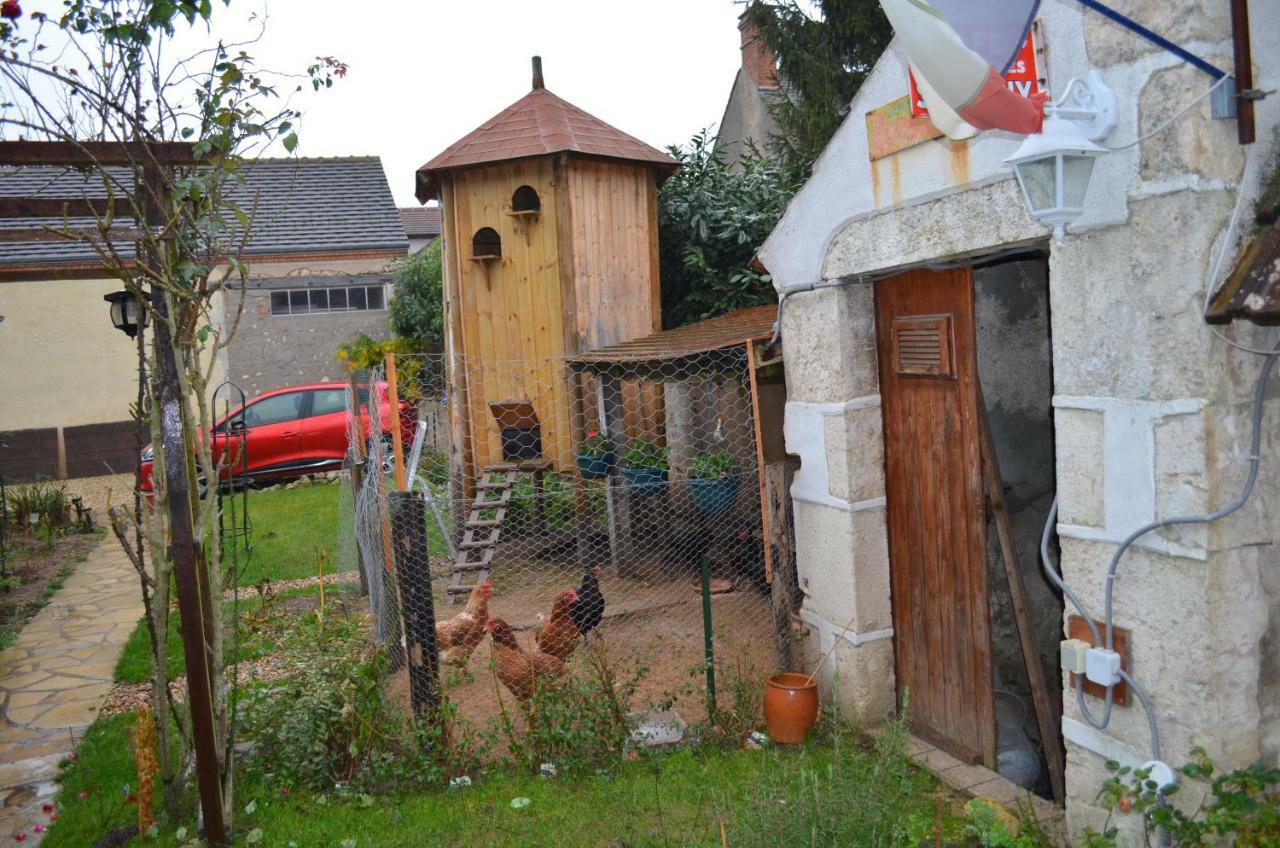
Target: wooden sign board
[
  {"x": 891, "y": 128},
  {"x": 1078, "y": 629}
]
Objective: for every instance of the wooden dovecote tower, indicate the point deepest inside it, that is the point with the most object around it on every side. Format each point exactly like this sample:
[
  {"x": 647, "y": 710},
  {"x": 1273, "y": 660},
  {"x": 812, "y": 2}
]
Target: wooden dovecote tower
[{"x": 550, "y": 249}]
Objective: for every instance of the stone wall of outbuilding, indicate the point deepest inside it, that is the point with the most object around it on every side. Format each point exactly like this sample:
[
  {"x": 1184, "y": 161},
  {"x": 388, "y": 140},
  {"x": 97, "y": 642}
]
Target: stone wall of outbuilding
[{"x": 1151, "y": 410}]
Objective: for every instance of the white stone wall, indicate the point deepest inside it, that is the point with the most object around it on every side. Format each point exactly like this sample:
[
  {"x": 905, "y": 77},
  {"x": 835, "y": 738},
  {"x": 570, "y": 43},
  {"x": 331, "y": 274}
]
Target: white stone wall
[{"x": 1151, "y": 410}]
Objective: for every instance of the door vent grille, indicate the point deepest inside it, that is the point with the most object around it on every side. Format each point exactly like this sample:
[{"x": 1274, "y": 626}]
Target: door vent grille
[{"x": 922, "y": 346}]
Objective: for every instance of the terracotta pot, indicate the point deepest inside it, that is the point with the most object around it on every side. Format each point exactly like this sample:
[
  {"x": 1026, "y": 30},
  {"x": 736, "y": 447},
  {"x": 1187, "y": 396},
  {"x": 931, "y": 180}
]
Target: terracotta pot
[{"x": 790, "y": 707}]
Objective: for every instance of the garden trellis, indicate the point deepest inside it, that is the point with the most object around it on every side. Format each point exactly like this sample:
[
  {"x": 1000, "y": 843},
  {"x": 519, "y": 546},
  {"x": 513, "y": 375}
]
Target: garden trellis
[{"x": 648, "y": 467}]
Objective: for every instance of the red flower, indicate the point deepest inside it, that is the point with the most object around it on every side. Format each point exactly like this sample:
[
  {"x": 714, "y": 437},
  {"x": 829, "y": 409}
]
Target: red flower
[
  {"x": 38, "y": 828},
  {"x": 53, "y": 816},
  {"x": 21, "y": 837},
  {"x": 47, "y": 807},
  {"x": 591, "y": 434},
  {"x": 132, "y": 799},
  {"x": 10, "y": 10},
  {"x": 284, "y": 790},
  {"x": 84, "y": 793}
]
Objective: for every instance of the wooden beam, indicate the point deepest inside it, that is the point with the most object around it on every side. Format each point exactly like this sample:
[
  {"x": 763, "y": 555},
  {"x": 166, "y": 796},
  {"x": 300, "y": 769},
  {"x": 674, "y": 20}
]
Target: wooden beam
[
  {"x": 1046, "y": 718},
  {"x": 759, "y": 439},
  {"x": 1245, "y": 129},
  {"x": 71, "y": 207},
  {"x": 93, "y": 153}
]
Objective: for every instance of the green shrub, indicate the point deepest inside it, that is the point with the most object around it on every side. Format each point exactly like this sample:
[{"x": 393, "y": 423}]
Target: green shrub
[
  {"x": 710, "y": 466},
  {"x": 645, "y": 453}
]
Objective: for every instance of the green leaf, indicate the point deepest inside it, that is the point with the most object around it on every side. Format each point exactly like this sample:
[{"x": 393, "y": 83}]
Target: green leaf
[
  {"x": 254, "y": 836},
  {"x": 250, "y": 807},
  {"x": 290, "y": 142}
]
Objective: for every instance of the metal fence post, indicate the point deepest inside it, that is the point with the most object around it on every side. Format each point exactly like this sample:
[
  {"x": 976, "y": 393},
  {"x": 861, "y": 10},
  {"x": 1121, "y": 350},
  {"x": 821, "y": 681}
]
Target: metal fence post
[{"x": 413, "y": 570}]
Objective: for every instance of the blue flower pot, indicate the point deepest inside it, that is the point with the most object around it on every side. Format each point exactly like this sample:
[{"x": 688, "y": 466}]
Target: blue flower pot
[
  {"x": 645, "y": 482},
  {"x": 594, "y": 466},
  {"x": 715, "y": 495}
]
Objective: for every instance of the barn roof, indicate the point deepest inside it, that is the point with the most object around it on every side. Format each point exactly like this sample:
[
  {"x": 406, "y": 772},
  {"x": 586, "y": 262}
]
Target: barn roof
[
  {"x": 736, "y": 328},
  {"x": 299, "y": 205},
  {"x": 538, "y": 124}
]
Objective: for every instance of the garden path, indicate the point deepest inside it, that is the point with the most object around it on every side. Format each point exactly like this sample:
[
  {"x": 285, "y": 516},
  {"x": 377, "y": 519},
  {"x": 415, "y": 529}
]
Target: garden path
[{"x": 53, "y": 681}]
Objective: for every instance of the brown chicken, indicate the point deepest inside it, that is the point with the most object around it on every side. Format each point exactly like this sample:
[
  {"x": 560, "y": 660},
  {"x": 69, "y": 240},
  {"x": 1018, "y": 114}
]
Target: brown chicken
[
  {"x": 458, "y": 637},
  {"x": 559, "y": 635},
  {"x": 518, "y": 670}
]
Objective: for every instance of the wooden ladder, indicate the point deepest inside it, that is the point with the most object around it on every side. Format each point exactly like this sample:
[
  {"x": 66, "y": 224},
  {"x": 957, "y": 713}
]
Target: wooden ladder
[{"x": 481, "y": 536}]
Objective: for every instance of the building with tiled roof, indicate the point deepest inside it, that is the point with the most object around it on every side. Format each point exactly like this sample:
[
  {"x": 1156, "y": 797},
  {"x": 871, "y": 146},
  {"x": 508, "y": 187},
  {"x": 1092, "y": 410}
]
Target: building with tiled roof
[
  {"x": 326, "y": 237},
  {"x": 421, "y": 225}
]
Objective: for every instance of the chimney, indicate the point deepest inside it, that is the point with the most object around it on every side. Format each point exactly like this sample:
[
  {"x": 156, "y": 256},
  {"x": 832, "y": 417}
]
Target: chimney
[
  {"x": 537, "y": 73},
  {"x": 757, "y": 59}
]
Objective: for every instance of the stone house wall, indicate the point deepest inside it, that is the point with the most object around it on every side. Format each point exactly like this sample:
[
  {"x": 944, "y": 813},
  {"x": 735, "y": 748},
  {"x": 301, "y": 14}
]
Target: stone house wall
[{"x": 1151, "y": 411}]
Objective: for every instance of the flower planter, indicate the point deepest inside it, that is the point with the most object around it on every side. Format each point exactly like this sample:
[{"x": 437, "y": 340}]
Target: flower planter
[
  {"x": 594, "y": 466},
  {"x": 790, "y": 707},
  {"x": 645, "y": 482},
  {"x": 715, "y": 495}
]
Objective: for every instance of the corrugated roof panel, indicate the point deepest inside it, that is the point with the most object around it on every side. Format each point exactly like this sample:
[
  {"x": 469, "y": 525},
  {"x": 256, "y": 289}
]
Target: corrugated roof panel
[{"x": 736, "y": 328}]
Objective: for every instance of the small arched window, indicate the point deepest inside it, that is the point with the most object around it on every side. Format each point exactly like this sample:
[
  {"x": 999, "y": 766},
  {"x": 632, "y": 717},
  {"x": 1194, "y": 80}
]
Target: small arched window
[
  {"x": 486, "y": 244},
  {"x": 526, "y": 200}
]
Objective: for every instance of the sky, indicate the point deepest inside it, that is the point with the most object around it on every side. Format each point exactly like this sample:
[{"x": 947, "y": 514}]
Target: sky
[{"x": 423, "y": 74}]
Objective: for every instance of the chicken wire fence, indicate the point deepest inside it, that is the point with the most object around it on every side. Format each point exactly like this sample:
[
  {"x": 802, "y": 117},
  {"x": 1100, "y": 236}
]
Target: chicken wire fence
[{"x": 610, "y": 503}]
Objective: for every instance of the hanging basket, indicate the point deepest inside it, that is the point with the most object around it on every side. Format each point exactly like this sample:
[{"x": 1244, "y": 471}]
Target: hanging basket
[
  {"x": 645, "y": 482},
  {"x": 594, "y": 466},
  {"x": 716, "y": 495}
]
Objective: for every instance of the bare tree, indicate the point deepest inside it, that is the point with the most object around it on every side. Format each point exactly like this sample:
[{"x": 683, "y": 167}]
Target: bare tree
[{"x": 171, "y": 220}]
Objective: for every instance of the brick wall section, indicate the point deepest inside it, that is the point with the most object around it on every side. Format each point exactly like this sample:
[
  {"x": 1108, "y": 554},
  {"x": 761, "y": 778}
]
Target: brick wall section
[
  {"x": 757, "y": 59},
  {"x": 96, "y": 449},
  {"x": 27, "y": 455}
]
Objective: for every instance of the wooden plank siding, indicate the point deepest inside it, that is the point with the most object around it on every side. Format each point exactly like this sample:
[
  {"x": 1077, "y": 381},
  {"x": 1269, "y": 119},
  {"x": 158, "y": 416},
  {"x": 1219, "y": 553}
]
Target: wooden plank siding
[{"x": 581, "y": 274}]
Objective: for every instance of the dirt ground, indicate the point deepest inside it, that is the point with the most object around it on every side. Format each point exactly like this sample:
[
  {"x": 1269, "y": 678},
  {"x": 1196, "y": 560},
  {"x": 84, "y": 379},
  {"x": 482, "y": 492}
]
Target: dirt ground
[
  {"x": 652, "y": 625},
  {"x": 36, "y": 568}
]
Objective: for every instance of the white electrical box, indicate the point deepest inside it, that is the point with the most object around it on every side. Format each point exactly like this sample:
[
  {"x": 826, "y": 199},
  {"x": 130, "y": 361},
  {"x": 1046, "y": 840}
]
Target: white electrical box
[
  {"x": 1073, "y": 655},
  {"x": 1102, "y": 666}
]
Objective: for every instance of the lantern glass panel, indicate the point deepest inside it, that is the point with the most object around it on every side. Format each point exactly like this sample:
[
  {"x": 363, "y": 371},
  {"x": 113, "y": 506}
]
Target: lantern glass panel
[
  {"x": 1038, "y": 177},
  {"x": 1076, "y": 171}
]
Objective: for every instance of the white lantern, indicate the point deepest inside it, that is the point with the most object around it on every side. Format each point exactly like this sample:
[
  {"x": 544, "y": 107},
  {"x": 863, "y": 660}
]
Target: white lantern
[
  {"x": 1054, "y": 167},
  {"x": 127, "y": 312}
]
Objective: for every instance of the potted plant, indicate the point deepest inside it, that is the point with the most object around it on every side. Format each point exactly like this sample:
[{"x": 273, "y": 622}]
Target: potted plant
[
  {"x": 713, "y": 481},
  {"x": 644, "y": 465},
  {"x": 595, "y": 456}
]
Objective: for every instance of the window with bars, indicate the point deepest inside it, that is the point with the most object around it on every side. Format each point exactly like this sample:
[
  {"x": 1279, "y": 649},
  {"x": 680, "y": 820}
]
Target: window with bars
[{"x": 331, "y": 299}]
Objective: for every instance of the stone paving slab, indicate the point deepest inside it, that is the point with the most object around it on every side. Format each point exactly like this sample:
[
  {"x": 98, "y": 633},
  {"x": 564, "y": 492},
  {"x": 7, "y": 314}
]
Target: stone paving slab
[{"x": 53, "y": 681}]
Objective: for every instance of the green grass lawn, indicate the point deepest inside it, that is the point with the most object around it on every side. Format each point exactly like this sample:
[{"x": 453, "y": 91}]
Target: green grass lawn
[
  {"x": 830, "y": 793},
  {"x": 292, "y": 530}
]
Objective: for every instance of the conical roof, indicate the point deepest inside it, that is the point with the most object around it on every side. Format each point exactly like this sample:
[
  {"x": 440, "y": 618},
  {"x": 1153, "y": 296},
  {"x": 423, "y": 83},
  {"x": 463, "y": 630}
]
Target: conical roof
[{"x": 538, "y": 124}]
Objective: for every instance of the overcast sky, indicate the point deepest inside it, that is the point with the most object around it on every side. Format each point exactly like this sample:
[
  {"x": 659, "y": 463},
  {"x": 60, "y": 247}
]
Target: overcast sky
[{"x": 425, "y": 73}]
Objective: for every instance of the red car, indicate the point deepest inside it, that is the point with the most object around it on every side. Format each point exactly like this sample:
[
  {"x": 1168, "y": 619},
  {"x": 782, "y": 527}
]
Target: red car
[{"x": 290, "y": 432}]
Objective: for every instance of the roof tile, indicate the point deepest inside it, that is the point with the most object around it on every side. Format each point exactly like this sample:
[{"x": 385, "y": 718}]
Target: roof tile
[{"x": 538, "y": 124}]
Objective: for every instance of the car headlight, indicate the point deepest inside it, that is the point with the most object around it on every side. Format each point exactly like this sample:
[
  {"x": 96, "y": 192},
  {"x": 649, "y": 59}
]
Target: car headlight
[{"x": 148, "y": 453}]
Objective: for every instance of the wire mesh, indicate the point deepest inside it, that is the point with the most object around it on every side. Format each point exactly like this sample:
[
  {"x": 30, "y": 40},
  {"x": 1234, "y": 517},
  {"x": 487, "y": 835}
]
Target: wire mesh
[{"x": 597, "y": 501}]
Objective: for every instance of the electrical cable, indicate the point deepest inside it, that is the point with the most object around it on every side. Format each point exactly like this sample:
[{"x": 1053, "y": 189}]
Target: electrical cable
[{"x": 1176, "y": 115}]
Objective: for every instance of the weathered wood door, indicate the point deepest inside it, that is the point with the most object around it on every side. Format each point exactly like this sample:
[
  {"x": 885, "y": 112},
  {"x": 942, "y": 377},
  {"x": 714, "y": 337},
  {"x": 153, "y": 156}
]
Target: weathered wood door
[{"x": 937, "y": 528}]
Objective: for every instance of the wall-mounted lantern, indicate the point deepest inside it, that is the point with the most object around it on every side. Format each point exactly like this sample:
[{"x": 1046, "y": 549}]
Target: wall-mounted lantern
[
  {"x": 127, "y": 313},
  {"x": 1054, "y": 166}
]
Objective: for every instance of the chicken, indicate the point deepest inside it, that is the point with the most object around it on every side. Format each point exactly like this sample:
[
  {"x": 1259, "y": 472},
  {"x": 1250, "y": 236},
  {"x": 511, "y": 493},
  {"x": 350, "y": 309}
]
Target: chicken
[
  {"x": 588, "y": 609},
  {"x": 559, "y": 635},
  {"x": 458, "y": 637},
  {"x": 518, "y": 670}
]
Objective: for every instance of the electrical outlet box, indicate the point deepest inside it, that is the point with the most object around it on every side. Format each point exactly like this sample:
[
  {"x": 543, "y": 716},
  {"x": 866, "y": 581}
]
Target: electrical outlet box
[
  {"x": 1102, "y": 666},
  {"x": 1073, "y": 655}
]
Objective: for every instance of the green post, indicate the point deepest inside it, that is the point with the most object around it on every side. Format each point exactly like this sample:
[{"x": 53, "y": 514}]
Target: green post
[{"x": 706, "y": 639}]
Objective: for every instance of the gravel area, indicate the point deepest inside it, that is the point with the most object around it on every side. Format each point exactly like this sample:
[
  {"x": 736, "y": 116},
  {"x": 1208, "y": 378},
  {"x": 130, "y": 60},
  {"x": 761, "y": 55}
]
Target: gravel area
[
  {"x": 96, "y": 491},
  {"x": 127, "y": 697}
]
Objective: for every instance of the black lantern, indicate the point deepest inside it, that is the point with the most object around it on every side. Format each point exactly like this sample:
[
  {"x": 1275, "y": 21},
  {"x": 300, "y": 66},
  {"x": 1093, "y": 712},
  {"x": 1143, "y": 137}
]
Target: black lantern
[{"x": 127, "y": 313}]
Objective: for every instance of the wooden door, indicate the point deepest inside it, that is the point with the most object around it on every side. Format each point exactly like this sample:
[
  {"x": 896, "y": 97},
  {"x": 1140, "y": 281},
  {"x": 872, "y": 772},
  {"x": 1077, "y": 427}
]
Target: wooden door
[{"x": 937, "y": 528}]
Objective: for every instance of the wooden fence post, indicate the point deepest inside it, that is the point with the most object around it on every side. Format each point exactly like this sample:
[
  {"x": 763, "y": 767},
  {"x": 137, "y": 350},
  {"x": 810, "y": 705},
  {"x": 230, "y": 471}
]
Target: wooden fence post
[
  {"x": 784, "y": 589},
  {"x": 413, "y": 570}
]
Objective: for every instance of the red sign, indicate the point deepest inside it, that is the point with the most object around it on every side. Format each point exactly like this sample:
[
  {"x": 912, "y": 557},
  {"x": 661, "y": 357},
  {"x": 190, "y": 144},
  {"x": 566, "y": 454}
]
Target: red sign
[{"x": 1022, "y": 78}]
